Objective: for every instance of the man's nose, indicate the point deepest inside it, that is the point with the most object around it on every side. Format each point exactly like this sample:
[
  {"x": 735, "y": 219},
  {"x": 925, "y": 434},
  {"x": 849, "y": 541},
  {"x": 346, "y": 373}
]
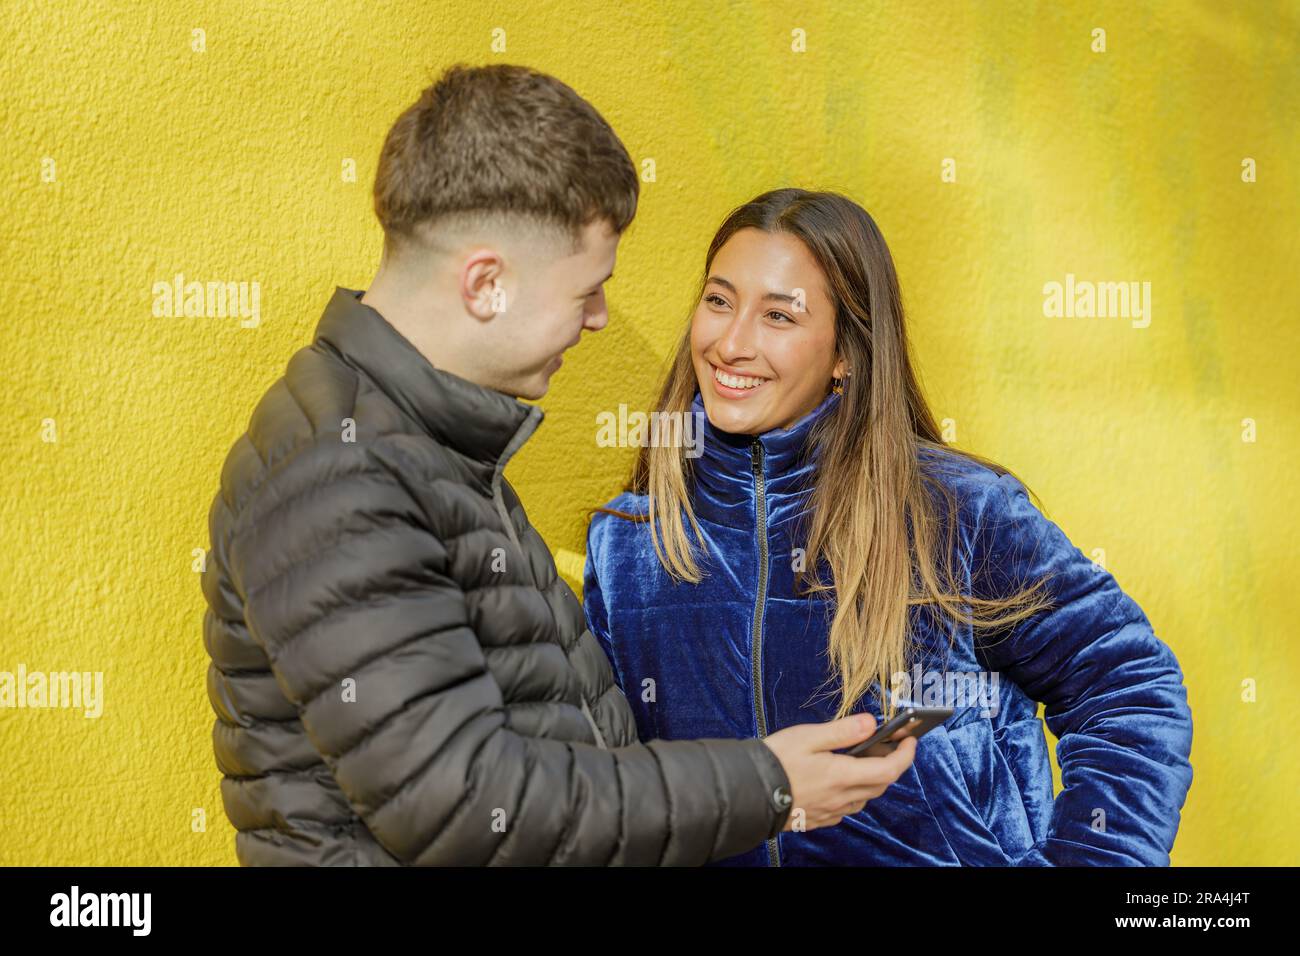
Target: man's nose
[{"x": 597, "y": 317}]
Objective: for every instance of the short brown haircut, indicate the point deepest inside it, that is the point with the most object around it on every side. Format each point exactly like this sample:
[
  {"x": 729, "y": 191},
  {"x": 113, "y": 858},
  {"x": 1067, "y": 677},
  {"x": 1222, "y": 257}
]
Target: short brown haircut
[{"x": 502, "y": 140}]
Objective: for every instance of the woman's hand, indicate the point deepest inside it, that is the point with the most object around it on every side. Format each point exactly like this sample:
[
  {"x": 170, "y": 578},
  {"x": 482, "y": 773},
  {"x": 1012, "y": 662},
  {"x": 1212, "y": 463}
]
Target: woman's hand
[{"x": 828, "y": 786}]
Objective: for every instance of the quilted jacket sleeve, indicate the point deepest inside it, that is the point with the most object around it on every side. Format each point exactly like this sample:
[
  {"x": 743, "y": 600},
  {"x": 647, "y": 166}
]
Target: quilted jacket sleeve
[
  {"x": 351, "y": 594},
  {"x": 1113, "y": 692}
]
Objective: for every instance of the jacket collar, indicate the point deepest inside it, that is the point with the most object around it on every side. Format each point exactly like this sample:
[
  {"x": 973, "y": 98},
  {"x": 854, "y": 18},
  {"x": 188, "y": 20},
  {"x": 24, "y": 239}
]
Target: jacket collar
[
  {"x": 482, "y": 424},
  {"x": 725, "y": 480}
]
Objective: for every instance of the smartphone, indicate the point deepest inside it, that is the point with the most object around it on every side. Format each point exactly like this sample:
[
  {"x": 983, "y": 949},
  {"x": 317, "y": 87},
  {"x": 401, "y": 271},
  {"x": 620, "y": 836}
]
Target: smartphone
[{"x": 911, "y": 721}]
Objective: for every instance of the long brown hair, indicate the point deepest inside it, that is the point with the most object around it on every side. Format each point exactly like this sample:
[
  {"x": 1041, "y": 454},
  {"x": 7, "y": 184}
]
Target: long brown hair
[{"x": 872, "y": 519}]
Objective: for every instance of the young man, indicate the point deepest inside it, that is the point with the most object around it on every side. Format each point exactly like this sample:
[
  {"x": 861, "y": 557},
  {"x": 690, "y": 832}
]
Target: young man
[{"x": 398, "y": 673}]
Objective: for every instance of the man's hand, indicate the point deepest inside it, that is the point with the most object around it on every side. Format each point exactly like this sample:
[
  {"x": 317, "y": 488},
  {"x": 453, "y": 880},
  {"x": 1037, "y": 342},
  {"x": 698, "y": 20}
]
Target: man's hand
[{"x": 828, "y": 786}]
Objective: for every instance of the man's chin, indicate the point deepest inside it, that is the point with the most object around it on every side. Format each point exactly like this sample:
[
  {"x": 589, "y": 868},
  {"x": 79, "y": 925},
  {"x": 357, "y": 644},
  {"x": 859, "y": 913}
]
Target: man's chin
[{"x": 530, "y": 389}]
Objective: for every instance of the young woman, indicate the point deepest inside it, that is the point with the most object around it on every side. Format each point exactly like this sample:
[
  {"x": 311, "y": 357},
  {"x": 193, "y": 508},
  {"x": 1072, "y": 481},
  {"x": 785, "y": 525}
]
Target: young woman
[{"x": 840, "y": 547}]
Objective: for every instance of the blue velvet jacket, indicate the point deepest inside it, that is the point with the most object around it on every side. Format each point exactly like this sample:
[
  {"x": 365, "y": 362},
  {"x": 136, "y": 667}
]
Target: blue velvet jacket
[{"x": 740, "y": 654}]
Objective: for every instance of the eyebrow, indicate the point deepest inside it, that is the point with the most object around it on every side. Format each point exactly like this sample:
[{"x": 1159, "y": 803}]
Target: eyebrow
[
  {"x": 777, "y": 296},
  {"x": 602, "y": 281}
]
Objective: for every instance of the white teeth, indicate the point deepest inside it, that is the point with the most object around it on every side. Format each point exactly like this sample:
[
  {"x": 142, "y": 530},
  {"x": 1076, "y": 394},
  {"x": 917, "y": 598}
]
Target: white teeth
[{"x": 736, "y": 381}]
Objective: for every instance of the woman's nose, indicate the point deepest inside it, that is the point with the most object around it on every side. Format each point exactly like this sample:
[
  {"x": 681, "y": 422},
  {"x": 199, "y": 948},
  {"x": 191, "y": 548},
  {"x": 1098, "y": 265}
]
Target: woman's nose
[{"x": 737, "y": 339}]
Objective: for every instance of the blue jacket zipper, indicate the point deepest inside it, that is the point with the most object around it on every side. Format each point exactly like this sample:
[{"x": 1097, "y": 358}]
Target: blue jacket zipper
[{"x": 773, "y": 848}]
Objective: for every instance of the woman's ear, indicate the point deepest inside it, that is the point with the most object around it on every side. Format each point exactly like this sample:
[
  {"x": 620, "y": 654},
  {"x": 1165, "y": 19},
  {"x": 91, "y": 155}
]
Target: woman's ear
[{"x": 841, "y": 368}]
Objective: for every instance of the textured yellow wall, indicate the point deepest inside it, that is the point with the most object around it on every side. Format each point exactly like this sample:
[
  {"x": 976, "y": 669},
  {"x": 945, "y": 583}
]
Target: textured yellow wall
[{"x": 130, "y": 156}]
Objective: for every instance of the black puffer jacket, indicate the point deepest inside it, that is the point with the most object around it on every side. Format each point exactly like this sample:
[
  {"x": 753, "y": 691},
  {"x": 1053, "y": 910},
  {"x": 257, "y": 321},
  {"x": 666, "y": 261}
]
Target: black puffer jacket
[{"x": 398, "y": 673}]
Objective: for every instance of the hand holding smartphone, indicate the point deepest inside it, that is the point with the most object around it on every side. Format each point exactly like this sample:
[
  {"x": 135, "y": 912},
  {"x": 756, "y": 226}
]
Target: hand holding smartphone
[{"x": 908, "y": 722}]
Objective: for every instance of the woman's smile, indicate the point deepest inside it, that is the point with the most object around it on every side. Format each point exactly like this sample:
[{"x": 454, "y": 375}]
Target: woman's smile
[{"x": 730, "y": 385}]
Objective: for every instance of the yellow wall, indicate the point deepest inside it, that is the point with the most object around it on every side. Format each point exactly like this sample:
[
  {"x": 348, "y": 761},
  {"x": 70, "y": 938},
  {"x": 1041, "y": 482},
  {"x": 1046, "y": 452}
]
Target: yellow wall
[{"x": 226, "y": 164}]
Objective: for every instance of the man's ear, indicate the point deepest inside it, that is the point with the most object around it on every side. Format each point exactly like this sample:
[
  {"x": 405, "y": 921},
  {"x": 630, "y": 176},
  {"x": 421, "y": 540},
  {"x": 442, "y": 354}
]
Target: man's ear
[{"x": 480, "y": 284}]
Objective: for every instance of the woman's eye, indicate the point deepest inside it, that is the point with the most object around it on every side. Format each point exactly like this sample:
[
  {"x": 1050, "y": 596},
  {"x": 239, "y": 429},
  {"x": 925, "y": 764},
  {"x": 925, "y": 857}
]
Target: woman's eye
[
  {"x": 714, "y": 299},
  {"x": 781, "y": 315}
]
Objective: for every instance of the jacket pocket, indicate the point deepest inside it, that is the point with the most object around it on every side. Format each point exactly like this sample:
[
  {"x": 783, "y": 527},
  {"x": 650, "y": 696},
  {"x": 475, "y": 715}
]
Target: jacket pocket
[
  {"x": 955, "y": 805},
  {"x": 1023, "y": 759},
  {"x": 595, "y": 729}
]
